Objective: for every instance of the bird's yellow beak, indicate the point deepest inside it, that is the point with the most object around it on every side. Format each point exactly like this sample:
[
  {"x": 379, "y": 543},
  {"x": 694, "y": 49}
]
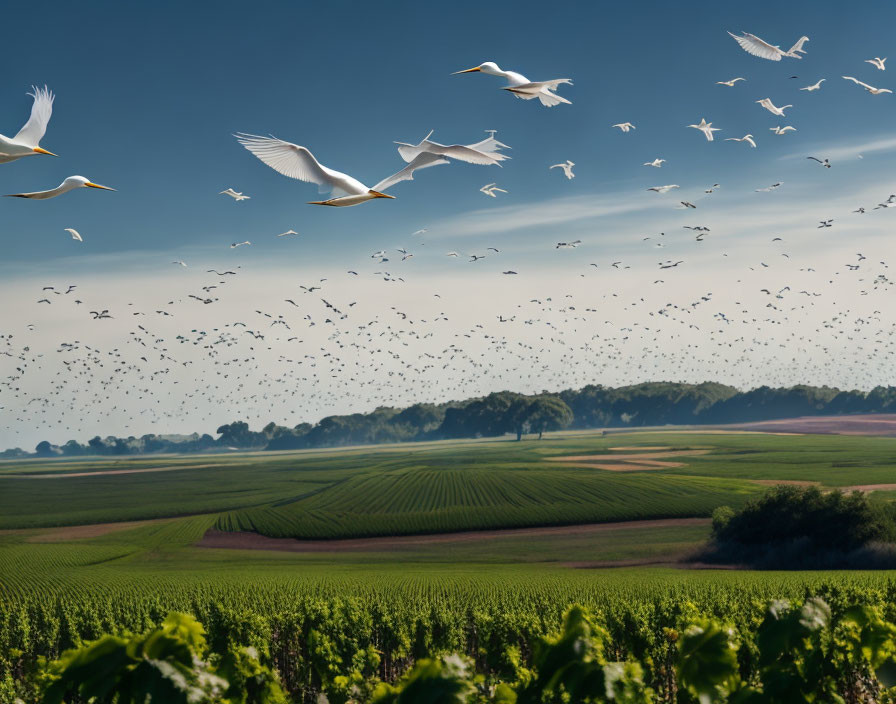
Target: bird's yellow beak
[
  {"x": 377, "y": 194},
  {"x": 96, "y": 185},
  {"x": 469, "y": 70},
  {"x": 38, "y": 150}
]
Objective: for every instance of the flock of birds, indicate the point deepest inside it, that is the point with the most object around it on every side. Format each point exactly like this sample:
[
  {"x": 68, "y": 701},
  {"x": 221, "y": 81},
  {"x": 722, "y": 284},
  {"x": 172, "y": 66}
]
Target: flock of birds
[{"x": 321, "y": 347}]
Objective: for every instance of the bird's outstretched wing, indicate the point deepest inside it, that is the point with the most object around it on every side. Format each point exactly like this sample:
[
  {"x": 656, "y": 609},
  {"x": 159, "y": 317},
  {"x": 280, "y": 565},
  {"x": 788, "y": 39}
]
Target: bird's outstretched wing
[
  {"x": 409, "y": 152},
  {"x": 542, "y": 91},
  {"x": 755, "y": 46},
  {"x": 460, "y": 152},
  {"x": 286, "y": 158},
  {"x": 421, "y": 161},
  {"x": 858, "y": 82},
  {"x": 490, "y": 145},
  {"x": 798, "y": 47},
  {"x": 36, "y": 127}
]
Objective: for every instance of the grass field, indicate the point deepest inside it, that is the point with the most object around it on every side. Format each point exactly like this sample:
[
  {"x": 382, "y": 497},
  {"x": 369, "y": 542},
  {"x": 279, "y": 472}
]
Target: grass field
[
  {"x": 92, "y": 546},
  {"x": 435, "y": 487}
]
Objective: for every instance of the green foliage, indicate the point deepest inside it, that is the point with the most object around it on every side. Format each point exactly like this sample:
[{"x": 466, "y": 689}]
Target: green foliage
[
  {"x": 793, "y": 526},
  {"x": 167, "y": 664},
  {"x": 573, "y": 665},
  {"x": 652, "y": 403},
  {"x": 446, "y": 680},
  {"x": 721, "y": 517},
  {"x": 802, "y": 655}
]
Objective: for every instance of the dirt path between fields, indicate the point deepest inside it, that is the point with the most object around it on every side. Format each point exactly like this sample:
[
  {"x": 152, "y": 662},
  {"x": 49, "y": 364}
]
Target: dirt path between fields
[
  {"x": 100, "y": 473},
  {"x": 253, "y": 541}
]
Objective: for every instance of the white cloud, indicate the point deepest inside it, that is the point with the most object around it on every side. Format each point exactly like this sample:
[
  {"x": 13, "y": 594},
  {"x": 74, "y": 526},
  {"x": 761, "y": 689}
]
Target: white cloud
[
  {"x": 847, "y": 149},
  {"x": 547, "y": 212}
]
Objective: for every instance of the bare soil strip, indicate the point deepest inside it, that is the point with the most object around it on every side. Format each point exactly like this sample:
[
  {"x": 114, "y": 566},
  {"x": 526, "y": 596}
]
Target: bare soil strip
[
  {"x": 253, "y": 541},
  {"x": 629, "y": 457},
  {"x": 66, "y": 475},
  {"x": 641, "y": 448},
  {"x": 628, "y": 467}
]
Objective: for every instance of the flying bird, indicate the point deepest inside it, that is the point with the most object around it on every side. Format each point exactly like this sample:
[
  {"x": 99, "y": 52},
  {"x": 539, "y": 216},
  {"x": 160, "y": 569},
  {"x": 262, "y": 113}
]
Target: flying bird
[
  {"x": 777, "y": 129},
  {"x": 730, "y": 83},
  {"x": 522, "y": 87},
  {"x": 826, "y": 163},
  {"x": 706, "y": 128},
  {"x": 239, "y": 244},
  {"x": 236, "y": 195},
  {"x": 657, "y": 163},
  {"x": 484, "y": 153},
  {"x": 755, "y": 46},
  {"x": 297, "y": 162},
  {"x": 870, "y": 89},
  {"x": 748, "y": 138},
  {"x": 770, "y": 106},
  {"x": 27, "y": 140},
  {"x": 624, "y": 126},
  {"x": 877, "y": 62},
  {"x": 75, "y": 234},
  {"x": 180, "y": 262},
  {"x": 663, "y": 189},
  {"x": 70, "y": 184},
  {"x": 288, "y": 232},
  {"x": 490, "y": 188},
  {"x": 815, "y": 86},
  {"x": 567, "y": 168}
]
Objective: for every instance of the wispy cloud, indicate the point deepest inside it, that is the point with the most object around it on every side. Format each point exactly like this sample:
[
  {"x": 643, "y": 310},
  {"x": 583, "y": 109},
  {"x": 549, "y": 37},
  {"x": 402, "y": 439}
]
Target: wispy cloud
[
  {"x": 846, "y": 149},
  {"x": 548, "y": 212}
]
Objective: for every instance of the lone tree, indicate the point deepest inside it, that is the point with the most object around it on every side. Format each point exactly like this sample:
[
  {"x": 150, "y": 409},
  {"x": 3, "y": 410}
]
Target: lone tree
[{"x": 538, "y": 415}]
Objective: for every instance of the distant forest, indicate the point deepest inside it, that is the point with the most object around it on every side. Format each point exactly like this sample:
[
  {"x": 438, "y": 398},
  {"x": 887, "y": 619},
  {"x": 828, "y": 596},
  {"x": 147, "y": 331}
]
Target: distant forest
[{"x": 649, "y": 404}]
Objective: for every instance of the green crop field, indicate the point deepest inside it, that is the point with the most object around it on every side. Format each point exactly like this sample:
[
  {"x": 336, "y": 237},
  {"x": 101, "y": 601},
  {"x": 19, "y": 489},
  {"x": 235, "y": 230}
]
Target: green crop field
[
  {"x": 434, "y": 487},
  {"x": 63, "y": 579}
]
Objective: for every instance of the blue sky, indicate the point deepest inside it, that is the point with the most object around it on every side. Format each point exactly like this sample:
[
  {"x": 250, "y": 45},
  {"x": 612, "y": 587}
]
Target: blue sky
[
  {"x": 149, "y": 94},
  {"x": 147, "y": 99}
]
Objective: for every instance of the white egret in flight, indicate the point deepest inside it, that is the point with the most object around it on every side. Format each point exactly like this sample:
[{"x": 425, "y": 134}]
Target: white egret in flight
[
  {"x": 777, "y": 129},
  {"x": 770, "y": 106},
  {"x": 870, "y": 89},
  {"x": 814, "y": 86},
  {"x": 755, "y": 46},
  {"x": 748, "y": 138},
  {"x": 521, "y": 86},
  {"x": 70, "y": 184},
  {"x": 730, "y": 83},
  {"x": 297, "y": 162},
  {"x": 567, "y": 168},
  {"x": 236, "y": 195},
  {"x": 490, "y": 188},
  {"x": 877, "y": 62},
  {"x": 624, "y": 126},
  {"x": 484, "y": 153},
  {"x": 658, "y": 163},
  {"x": 75, "y": 234},
  {"x": 706, "y": 128},
  {"x": 26, "y": 142},
  {"x": 288, "y": 232}
]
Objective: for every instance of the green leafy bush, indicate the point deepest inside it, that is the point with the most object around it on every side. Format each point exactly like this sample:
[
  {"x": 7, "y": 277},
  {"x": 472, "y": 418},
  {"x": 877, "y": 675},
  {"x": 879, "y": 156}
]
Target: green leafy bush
[
  {"x": 798, "y": 654},
  {"x": 794, "y": 527}
]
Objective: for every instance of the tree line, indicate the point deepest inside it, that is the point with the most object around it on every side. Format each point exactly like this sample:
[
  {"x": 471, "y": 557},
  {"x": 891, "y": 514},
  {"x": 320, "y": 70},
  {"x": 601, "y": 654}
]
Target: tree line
[{"x": 505, "y": 412}]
